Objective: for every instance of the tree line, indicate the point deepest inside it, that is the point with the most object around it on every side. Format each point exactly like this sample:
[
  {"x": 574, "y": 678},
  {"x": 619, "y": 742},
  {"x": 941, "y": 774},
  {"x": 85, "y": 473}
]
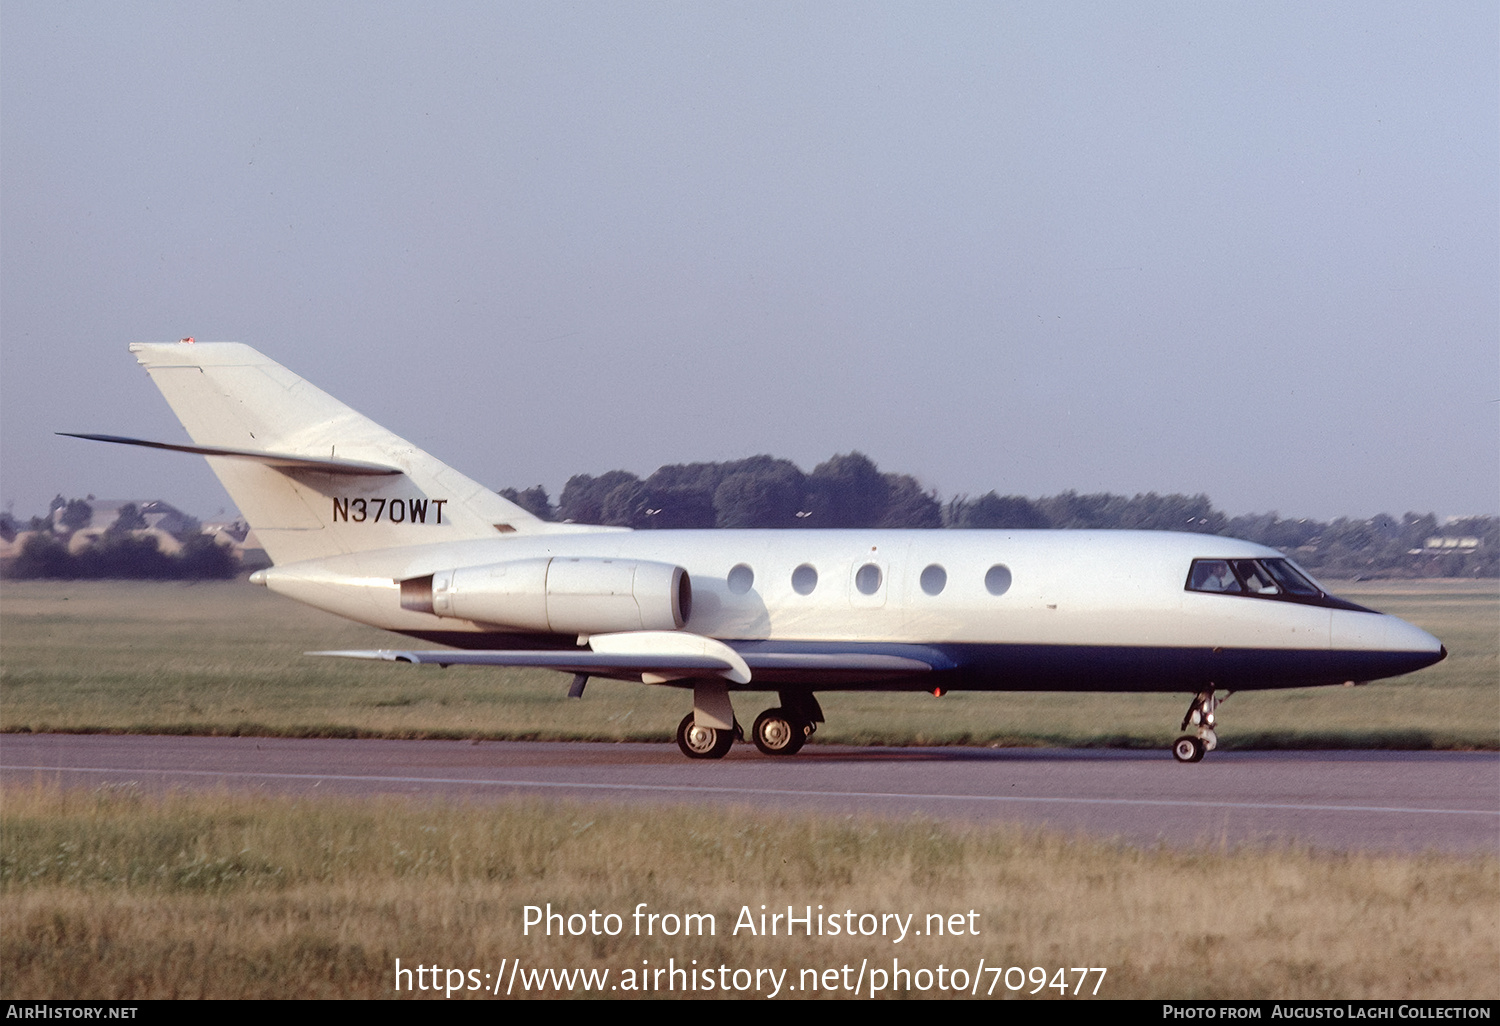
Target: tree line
[
  {"x": 120, "y": 552},
  {"x": 846, "y": 491},
  {"x": 849, "y": 490}
]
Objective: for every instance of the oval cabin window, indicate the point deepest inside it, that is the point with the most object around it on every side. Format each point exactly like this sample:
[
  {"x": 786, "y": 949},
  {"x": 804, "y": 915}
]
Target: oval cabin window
[
  {"x": 934, "y": 579},
  {"x": 997, "y": 581},
  {"x": 804, "y": 579},
  {"x": 741, "y": 579}
]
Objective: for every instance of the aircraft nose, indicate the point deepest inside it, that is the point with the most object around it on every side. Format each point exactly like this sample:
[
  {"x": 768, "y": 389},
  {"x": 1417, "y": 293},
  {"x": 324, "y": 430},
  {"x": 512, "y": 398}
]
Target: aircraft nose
[
  {"x": 1401, "y": 636},
  {"x": 1373, "y": 645}
]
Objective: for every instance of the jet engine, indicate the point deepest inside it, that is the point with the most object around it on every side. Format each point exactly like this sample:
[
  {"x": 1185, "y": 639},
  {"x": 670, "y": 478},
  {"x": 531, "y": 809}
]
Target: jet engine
[{"x": 559, "y": 595}]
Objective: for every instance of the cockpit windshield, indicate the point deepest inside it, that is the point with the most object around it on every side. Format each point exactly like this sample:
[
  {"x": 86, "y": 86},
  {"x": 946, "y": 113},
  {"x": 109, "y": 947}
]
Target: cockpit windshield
[
  {"x": 1265, "y": 578},
  {"x": 1291, "y": 579}
]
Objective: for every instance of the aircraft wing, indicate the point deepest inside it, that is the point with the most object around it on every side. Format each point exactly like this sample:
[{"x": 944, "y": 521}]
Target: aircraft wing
[
  {"x": 660, "y": 656},
  {"x": 581, "y": 661},
  {"x": 654, "y": 656}
]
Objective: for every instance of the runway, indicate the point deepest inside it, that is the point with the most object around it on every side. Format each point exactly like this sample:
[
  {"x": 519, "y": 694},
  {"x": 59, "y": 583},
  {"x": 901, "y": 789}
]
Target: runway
[{"x": 1346, "y": 801}]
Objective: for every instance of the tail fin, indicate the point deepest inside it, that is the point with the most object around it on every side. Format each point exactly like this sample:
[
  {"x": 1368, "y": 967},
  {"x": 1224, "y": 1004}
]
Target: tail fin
[{"x": 313, "y": 477}]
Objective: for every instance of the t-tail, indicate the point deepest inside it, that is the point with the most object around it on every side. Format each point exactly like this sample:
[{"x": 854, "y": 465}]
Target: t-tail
[{"x": 313, "y": 477}]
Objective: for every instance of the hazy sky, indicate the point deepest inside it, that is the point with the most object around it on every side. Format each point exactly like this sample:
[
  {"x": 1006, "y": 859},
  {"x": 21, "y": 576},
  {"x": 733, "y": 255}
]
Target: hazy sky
[{"x": 1245, "y": 249}]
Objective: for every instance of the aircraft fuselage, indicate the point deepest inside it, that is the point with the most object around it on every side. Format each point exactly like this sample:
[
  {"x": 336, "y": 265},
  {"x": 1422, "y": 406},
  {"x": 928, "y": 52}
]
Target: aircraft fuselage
[{"x": 1007, "y": 610}]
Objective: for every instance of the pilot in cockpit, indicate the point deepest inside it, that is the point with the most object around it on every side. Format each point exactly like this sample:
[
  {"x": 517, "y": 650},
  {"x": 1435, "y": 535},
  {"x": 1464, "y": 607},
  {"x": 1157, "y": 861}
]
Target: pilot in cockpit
[{"x": 1214, "y": 575}]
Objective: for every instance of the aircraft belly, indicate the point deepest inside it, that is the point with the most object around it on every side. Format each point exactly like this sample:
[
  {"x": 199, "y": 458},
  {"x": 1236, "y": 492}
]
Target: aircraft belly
[{"x": 1043, "y": 667}]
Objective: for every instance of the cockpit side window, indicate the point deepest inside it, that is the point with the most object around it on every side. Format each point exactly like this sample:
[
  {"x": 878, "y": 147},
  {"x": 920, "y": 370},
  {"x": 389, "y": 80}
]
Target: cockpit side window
[
  {"x": 1213, "y": 575},
  {"x": 1255, "y": 578}
]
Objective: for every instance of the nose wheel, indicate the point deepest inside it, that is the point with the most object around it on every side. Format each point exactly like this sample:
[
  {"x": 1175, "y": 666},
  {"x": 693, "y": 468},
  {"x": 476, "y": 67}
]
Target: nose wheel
[
  {"x": 1200, "y": 714},
  {"x": 1189, "y": 749}
]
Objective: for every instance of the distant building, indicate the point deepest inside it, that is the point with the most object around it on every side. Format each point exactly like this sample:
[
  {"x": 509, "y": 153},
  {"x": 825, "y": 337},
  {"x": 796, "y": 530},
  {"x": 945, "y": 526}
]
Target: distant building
[{"x": 1441, "y": 544}]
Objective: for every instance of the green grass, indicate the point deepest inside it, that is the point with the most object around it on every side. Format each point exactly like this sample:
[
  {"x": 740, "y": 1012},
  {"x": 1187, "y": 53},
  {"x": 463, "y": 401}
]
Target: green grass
[
  {"x": 223, "y": 658},
  {"x": 113, "y": 894}
]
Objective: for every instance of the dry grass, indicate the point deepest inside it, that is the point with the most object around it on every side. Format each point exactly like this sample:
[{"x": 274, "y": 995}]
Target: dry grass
[
  {"x": 228, "y": 658},
  {"x": 115, "y": 894},
  {"x": 111, "y": 894}
]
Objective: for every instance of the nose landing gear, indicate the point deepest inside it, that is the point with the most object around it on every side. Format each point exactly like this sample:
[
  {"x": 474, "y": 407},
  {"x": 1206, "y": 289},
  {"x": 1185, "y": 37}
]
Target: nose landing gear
[{"x": 1200, "y": 714}]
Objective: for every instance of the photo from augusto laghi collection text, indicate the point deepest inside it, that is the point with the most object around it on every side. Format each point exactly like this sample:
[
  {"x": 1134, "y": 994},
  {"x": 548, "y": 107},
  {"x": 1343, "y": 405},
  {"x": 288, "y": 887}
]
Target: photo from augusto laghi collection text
[{"x": 869, "y": 977}]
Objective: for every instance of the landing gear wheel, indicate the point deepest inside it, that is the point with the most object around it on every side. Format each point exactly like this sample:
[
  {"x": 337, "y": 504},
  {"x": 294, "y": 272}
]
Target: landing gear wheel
[
  {"x": 699, "y": 742},
  {"x": 778, "y": 732},
  {"x": 1200, "y": 714},
  {"x": 1188, "y": 749}
]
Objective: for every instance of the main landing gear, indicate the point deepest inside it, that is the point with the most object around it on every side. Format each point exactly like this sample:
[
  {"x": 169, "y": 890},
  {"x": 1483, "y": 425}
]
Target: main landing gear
[
  {"x": 1200, "y": 714},
  {"x": 706, "y": 732},
  {"x": 700, "y": 741},
  {"x": 781, "y": 732}
]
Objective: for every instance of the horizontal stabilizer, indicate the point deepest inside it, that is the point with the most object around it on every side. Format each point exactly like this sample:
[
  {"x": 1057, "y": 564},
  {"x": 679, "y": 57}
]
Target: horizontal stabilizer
[{"x": 282, "y": 461}]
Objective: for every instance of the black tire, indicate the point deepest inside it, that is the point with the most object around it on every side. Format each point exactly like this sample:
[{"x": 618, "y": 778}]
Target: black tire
[
  {"x": 778, "y": 732},
  {"x": 1188, "y": 749},
  {"x": 703, "y": 742}
]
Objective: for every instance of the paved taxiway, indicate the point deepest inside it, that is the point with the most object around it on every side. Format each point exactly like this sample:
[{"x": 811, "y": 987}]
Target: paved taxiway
[{"x": 1390, "y": 801}]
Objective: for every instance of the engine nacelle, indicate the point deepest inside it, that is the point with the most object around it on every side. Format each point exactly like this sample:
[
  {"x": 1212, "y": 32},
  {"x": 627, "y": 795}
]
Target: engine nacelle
[{"x": 559, "y": 595}]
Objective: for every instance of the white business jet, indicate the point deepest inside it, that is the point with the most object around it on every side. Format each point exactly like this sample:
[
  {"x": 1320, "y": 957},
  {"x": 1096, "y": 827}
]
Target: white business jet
[{"x": 363, "y": 524}]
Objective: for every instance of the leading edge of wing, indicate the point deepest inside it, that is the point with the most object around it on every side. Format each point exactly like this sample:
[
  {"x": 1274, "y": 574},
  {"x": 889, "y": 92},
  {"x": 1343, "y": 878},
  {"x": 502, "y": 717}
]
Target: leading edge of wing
[
  {"x": 666, "y": 665},
  {"x": 279, "y": 460},
  {"x": 573, "y": 662},
  {"x": 657, "y": 656}
]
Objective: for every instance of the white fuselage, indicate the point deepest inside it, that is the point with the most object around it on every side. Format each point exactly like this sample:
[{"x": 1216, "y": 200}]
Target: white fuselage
[{"x": 1109, "y": 589}]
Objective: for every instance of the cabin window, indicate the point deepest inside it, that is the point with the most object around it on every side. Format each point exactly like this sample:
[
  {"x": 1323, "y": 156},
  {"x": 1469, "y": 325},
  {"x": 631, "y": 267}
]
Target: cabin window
[
  {"x": 741, "y": 578},
  {"x": 997, "y": 580},
  {"x": 867, "y": 579},
  {"x": 934, "y": 579},
  {"x": 804, "y": 579}
]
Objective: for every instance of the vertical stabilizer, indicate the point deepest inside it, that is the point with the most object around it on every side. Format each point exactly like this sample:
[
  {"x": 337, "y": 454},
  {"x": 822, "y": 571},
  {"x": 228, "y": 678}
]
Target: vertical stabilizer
[{"x": 229, "y": 396}]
